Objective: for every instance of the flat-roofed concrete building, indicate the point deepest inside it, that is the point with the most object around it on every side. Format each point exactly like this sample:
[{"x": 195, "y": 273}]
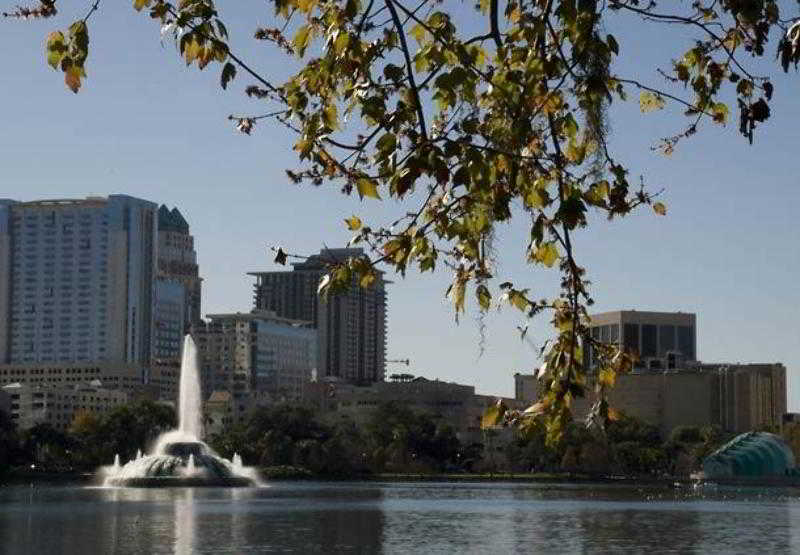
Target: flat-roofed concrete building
[
  {"x": 455, "y": 404},
  {"x": 662, "y": 340},
  {"x": 736, "y": 397},
  {"x": 58, "y": 406},
  {"x": 351, "y": 325},
  {"x": 152, "y": 381}
]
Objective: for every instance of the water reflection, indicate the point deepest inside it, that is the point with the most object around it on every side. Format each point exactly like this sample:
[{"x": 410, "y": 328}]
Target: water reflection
[
  {"x": 184, "y": 523},
  {"x": 396, "y": 518}
]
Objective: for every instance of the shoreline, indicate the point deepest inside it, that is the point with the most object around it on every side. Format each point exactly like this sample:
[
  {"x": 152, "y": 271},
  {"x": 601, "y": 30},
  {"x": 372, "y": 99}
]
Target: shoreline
[{"x": 23, "y": 477}]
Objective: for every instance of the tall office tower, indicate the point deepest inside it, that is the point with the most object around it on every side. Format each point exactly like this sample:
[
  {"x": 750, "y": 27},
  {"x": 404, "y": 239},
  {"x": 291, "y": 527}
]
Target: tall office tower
[
  {"x": 169, "y": 321},
  {"x": 351, "y": 326},
  {"x": 258, "y": 352},
  {"x": 662, "y": 340},
  {"x": 177, "y": 261},
  {"x": 77, "y": 280}
]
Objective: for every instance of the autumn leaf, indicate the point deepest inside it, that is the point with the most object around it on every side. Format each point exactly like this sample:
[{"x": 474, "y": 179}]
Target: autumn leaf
[
  {"x": 367, "y": 188},
  {"x": 547, "y": 254},
  {"x": 353, "y": 223},
  {"x": 649, "y": 101}
]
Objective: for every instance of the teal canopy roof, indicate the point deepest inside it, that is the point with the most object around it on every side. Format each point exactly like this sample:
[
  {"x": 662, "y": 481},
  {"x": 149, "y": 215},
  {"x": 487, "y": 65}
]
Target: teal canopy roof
[{"x": 750, "y": 454}]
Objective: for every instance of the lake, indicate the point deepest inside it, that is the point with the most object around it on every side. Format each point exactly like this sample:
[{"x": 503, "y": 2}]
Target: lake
[{"x": 421, "y": 517}]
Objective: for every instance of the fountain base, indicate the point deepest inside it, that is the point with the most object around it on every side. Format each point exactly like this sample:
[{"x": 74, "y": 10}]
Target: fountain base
[
  {"x": 181, "y": 482},
  {"x": 180, "y": 464}
]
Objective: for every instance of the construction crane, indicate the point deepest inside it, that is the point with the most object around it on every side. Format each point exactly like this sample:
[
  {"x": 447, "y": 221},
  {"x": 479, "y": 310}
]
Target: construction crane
[{"x": 405, "y": 361}]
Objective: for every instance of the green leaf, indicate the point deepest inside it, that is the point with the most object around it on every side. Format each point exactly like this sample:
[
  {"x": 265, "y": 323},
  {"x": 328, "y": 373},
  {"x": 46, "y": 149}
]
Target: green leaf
[
  {"x": 367, "y": 188},
  {"x": 519, "y": 300},
  {"x": 418, "y": 32},
  {"x": 536, "y": 198},
  {"x": 720, "y": 111},
  {"x": 340, "y": 45},
  {"x": 301, "y": 40},
  {"x": 649, "y": 101},
  {"x": 55, "y": 48},
  {"x": 547, "y": 254},
  {"x": 386, "y": 144},
  {"x": 330, "y": 116},
  {"x": 228, "y": 73},
  {"x": 353, "y": 223},
  {"x": 659, "y": 208}
]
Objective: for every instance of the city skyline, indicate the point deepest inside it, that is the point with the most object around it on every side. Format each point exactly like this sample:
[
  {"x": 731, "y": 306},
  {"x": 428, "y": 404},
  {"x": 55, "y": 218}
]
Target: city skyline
[{"x": 727, "y": 249}]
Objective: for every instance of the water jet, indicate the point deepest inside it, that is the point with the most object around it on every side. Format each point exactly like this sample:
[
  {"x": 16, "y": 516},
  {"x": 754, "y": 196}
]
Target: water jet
[{"x": 180, "y": 457}]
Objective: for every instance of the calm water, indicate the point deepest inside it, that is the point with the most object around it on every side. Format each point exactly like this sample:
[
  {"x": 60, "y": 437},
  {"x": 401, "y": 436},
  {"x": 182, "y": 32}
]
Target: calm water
[{"x": 399, "y": 518}]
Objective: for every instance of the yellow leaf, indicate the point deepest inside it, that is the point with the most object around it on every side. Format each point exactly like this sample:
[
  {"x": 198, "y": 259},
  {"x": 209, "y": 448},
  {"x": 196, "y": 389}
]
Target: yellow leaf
[
  {"x": 55, "y": 48},
  {"x": 547, "y": 254},
  {"x": 353, "y": 223},
  {"x": 367, "y": 279},
  {"x": 418, "y": 32},
  {"x": 193, "y": 51},
  {"x": 367, "y": 188},
  {"x": 607, "y": 377},
  {"x": 331, "y": 116},
  {"x": 535, "y": 198},
  {"x": 649, "y": 101},
  {"x": 493, "y": 415},
  {"x": 305, "y": 6},
  {"x": 659, "y": 208},
  {"x": 301, "y": 40},
  {"x": 139, "y": 4}
]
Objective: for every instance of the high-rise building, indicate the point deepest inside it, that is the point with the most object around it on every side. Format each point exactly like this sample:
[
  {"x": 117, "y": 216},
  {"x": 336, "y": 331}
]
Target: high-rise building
[
  {"x": 256, "y": 352},
  {"x": 351, "y": 325},
  {"x": 77, "y": 280},
  {"x": 169, "y": 323},
  {"x": 662, "y": 340},
  {"x": 177, "y": 261}
]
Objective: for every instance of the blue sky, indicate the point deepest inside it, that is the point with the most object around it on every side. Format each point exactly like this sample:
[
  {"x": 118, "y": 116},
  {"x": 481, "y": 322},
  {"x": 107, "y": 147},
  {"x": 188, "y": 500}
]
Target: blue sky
[{"x": 145, "y": 125}]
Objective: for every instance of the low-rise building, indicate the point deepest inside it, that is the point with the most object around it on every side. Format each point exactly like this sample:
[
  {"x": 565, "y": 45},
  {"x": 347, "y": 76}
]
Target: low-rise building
[
  {"x": 152, "y": 381},
  {"x": 735, "y": 397},
  {"x": 455, "y": 404},
  {"x": 5, "y": 401},
  {"x": 224, "y": 409},
  {"x": 57, "y": 406},
  {"x": 660, "y": 340}
]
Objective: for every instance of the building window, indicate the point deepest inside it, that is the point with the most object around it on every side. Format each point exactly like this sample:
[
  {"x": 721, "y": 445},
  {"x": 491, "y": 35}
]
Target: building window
[
  {"x": 686, "y": 342},
  {"x": 649, "y": 348},
  {"x": 666, "y": 338},
  {"x": 631, "y": 338}
]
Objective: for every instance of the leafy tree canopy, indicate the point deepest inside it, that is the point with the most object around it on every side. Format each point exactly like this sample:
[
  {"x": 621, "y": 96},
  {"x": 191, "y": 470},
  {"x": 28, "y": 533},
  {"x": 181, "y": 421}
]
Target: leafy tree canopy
[{"x": 395, "y": 100}]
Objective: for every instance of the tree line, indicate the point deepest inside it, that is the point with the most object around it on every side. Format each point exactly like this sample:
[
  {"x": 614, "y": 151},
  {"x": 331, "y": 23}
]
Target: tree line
[{"x": 294, "y": 441}]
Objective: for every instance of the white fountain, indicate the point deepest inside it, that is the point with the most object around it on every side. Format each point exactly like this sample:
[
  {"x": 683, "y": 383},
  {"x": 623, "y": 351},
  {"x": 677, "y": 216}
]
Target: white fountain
[{"x": 180, "y": 458}]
